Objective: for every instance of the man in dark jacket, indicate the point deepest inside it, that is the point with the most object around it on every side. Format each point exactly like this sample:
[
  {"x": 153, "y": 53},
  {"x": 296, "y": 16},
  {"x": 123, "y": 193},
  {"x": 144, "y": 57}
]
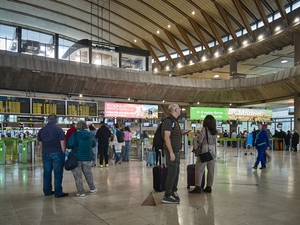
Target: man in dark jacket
[
  {"x": 103, "y": 134},
  {"x": 52, "y": 142}
]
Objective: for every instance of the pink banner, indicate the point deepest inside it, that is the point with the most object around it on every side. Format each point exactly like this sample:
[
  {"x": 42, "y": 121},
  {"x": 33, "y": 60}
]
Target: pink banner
[{"x": 122, "y": 110}]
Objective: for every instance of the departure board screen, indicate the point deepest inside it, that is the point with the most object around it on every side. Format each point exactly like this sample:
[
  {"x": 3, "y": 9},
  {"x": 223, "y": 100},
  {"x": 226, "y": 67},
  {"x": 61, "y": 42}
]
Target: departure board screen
[
  {"x": 77, "y": 108},
  {"x": 9, "y": 104},
  {"x": 48, "y": 106}
]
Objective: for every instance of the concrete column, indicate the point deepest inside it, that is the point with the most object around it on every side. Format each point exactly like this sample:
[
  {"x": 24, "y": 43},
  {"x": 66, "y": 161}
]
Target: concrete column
[
  {"x": 297, "y": 111},
  {"x": 233, "y": 66},
  {"x": 297, "y": 48}
]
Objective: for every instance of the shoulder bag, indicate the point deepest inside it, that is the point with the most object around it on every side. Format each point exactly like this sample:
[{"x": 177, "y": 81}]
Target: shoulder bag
[
  {"x": 206, "y": 157},
  {"x": 71, "y": 162}
]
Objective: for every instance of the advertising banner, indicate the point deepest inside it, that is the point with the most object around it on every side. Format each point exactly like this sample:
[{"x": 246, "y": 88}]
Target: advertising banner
[
  {"x": 123, "y": 110},
  {"x": 242, "y": 114}
]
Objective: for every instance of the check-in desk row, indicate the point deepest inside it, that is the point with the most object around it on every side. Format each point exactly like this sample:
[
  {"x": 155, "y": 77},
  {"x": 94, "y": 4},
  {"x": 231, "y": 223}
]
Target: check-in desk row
[{"x": 14, "y": 150}]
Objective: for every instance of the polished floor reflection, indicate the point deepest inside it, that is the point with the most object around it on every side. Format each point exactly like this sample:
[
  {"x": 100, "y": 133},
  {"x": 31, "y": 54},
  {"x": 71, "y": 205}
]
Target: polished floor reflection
[{"x": 125, "y": 195}]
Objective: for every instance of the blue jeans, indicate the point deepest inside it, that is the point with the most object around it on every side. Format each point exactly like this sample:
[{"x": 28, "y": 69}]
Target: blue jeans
[
  {"x": 126, "y": 151},
  {"x": 260, "y": 156},
  {"x": 117, "y": 154},
  {"x": 53, "y": 161}
]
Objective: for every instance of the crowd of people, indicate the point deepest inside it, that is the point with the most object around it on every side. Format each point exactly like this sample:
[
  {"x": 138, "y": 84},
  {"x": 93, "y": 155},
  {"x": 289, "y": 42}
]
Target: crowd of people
[{"x": 84, "y": 142}]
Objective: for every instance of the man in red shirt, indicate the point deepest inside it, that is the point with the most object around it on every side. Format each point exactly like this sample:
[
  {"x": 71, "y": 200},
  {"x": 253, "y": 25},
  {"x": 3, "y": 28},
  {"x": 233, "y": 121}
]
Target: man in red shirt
[{"x": 70, "y": 132}]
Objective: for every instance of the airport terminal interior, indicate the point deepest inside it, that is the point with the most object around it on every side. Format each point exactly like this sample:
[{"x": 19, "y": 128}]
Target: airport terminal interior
[{"x": 125, "y": 62}]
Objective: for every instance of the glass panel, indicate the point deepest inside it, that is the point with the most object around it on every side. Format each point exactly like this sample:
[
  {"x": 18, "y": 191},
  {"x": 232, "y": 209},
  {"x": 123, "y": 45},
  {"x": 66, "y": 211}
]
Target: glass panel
[
  {"x": 64, "y": 48},
  {"x": 296, "y": 5},
  {"x": 270, "y": 19},
  {"x": 105, "y": 58},
  {"x": 211, "y": 44},
  {"x": 37, "y": 43},
  {"x": 224, "y": 39},
  {"x": 134, "y": 62},
  {"x": 239, "y": 33},
  {"x": 277, "y": 15},
  {"x": 174, "y": 56},
  {"x": 254, "y": 27},
  {"x": 162, "y": 58},
  {"x": 245, "y": 31},
  {"x": 186, "y": 52},
  {"x": 198, "y": 49},
  {"x": 8, "y": 38},
  {"x": 288, "y": 9}
]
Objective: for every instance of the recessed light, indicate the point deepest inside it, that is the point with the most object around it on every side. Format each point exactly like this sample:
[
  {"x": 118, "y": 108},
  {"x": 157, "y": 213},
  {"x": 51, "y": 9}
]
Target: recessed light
[
  {"x": 179, "y": 65},
  {"x": 169, "y": 26},
  {"x": 193, "y": 12},
  {"x": 163, "y": 101},
  {"x": 167, "y": 67},
  {"x": 230, "y": 104},
  {"x": 198, "y": 103},
  {"x": 183, "y": 109},
  {"x": 191, "y": 62},
  {"x": 128, "y": 99},
  {"x": 157, "y": 31},
  {"x": 204, "y": 58},
  {"x": 216, "y": 76},
  {"x": 260, "y": 37},
  {"x": 230, "y": 49},
  {"x": 134, "y": 40},
  {"x": 277, "y": 28},
  {"x": 80, "y": 95},
  {"x": 245, "y": 42},
  {"x": 284, "y": 61},
  {"x": 297, "y": 20},
  {"x": 155, "y": 69}
]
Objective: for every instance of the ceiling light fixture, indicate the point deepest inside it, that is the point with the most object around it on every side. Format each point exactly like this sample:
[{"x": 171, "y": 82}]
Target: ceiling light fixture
[
  {"x": 284, "y": 61},
  {"x": 80, "y": 95},
  {"x": 216, "y": 76},
  {"x": 198, "y": 103},
  {"x": 128, "y": 99},
  {"x": 297, "y": 20},
  {"x": 134, "y": 40},
  {"x": 245, "y": 42},
  {"x": 191, "y": 62},
  {"x": 230, "y": 104},
  {"x": 157, "y": 31},
  {"x": 169, "y": 26},
  {"x": 217, "y": 54},
  {"x": 260, "y": 37},
  {"x": 163, "y": 101},
  {"x": 155, "y": 70},
  {"x": 167, "y": 67},
  {"x": 277, "y": 28},
  {"x": 179, "y": 65},
  {"x": 230, "y": 49},
  {"x": 204, "y": 58},
  {"x": 193, "y": 12}
]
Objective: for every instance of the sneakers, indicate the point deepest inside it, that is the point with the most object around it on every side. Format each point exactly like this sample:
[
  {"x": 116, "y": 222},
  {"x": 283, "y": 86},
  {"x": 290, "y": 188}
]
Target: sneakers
[
  {"x": 170, "y": 200},
  {"x": 80, "y": 195},
  {"x": 207, "y": 189},
  {"x": 106, "y": 165},
  {"x": 100, "y": 165},
  {"x": 254, "y": 167},
  {"x": 94, "y": 190},
  {"x": 175, "y": 195}
]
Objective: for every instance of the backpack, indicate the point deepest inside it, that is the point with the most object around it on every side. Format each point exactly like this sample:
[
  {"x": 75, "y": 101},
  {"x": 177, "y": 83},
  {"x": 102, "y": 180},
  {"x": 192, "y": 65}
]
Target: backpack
[
  {"x": 158, "y": 140},
  {"x": 120, "y": 136}
]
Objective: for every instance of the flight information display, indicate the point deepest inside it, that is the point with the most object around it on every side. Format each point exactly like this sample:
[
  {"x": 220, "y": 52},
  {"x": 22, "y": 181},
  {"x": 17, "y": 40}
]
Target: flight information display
[
  {"x": 9, "y": 104},
  {"x": 48, "y": 106},
  {"x": 78, "y": 108}
]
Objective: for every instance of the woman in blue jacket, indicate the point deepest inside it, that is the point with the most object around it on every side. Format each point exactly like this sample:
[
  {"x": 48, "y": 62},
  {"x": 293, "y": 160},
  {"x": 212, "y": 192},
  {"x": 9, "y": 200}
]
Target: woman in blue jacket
[
  {"x": 261, "y": 142},
  {"x": 84, "y": 142}
]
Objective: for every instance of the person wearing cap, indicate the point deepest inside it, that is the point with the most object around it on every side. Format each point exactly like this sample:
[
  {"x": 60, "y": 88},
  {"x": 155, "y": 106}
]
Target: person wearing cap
[
  {"x": 103, "y": 134},
  {"x": 261, "y": 142}
]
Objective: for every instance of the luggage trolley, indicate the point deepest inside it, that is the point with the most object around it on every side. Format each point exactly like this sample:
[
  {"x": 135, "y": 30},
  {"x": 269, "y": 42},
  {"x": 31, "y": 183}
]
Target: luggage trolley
[{"x": 249, "y": 145}]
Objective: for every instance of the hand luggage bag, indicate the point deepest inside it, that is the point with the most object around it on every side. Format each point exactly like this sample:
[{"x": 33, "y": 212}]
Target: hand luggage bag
[
  {"x": 150, "y": 158},
  {"x": 159, "y": 177},
  {"x": 191, "y": 175}
]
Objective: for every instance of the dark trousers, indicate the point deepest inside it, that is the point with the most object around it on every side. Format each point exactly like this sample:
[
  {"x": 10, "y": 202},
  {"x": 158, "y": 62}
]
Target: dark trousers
[
  {"x": 103, "y": 152},
  {"x": 173, "y": 173}
]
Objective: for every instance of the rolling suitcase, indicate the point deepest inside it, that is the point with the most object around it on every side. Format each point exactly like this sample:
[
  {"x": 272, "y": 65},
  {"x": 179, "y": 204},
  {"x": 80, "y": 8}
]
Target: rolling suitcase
[
  {"x": 191, "y": 175},
  {"x": 150, "y": 158},
  {"x": 159, "y": 177}
]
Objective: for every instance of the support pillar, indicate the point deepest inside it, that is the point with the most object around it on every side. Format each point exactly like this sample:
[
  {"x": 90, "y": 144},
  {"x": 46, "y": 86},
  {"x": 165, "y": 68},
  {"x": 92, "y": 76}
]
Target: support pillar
[
  {"x": 297, "y": 111},
  {"x": 296, "y": 48},
  {"x": 233, "y": 66}
]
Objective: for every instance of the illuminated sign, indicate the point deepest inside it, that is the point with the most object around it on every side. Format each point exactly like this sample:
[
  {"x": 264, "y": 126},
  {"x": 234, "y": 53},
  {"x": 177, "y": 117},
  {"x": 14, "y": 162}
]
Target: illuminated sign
[
  {"x": 122, "y": 110},
  {"x": 243, "y": 114}
]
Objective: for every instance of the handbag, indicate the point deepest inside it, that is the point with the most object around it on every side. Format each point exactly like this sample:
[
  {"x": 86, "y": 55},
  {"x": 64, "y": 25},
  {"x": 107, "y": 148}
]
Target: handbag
[
  {"x": 71, "y": 162},
  {"x": 206, "y": 157}
]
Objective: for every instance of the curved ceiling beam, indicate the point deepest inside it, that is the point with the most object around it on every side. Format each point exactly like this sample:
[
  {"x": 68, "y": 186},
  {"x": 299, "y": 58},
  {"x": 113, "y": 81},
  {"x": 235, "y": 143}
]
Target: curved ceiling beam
[
  {"x": 141, "y": 15},
  {"x": 223, "y": 13},
  {"x": 281, "y": 9},
  {"x": 186, "y": 16},
  {"x": 163, "y": 48},
  {"x": 172, "y": 39},
  {"x": 200, "y": 35},
  {"x": 263, "y": 15},
  {"x": 242, "y": 14},
  {"x": 154, "y": 56},
  {"x": 187, "y": 39}
]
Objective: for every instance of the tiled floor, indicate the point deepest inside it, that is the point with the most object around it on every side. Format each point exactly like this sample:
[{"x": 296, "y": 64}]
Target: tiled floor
[{"x": 240, "y": 195}]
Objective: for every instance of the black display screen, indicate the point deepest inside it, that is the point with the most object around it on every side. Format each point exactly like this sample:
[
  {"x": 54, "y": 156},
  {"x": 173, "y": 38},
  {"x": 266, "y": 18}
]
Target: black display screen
[
  {"x": 48, "y": 106},
  {"x": 10, "y": 104}
]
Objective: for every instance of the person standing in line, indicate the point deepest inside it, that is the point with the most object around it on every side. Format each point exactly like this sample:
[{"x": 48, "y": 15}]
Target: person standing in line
[
  {"x": 288, "y": 140},
  {"x": 261, "y": 142},
  {"x": 127, "y": 139},
  {"x": 117, "y": 143},
  {"x": 103, "y": 135},
  {"x": 266, "y": 154},
  {"x": 84, "y": 142},
  {"x": 52, "y": 142},
  {"x": 172, "y": 136},
  {"x": 70, "y": 131},
  {"x": 295, "y": 140},
  {"x": 209, "y": 129},
  {"x": 93, "y": 131}
]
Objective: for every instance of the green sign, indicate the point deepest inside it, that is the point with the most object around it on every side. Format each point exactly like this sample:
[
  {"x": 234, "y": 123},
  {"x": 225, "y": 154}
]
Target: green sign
[{"x": 199, "y": 113}]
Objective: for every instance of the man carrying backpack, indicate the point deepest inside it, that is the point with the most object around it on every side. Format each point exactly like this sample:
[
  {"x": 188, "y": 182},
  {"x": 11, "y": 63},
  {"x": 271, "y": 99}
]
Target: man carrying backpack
[{"x": 172, "y": 136}]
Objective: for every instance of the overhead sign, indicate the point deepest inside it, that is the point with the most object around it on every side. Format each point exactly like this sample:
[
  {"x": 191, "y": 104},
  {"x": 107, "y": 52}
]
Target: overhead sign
[
  {"x": 122, "y": 110},
  {"x": 243, "y": 114}
]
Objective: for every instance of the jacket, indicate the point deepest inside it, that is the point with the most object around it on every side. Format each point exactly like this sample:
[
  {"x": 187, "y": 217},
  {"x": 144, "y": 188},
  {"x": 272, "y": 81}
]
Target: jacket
[
  {"x": 260, "y": 138},
  {"x": 84, "y": 144}
]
